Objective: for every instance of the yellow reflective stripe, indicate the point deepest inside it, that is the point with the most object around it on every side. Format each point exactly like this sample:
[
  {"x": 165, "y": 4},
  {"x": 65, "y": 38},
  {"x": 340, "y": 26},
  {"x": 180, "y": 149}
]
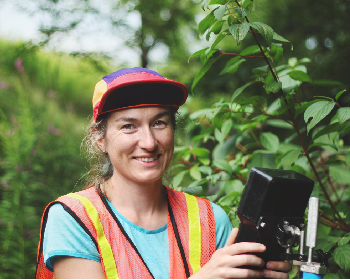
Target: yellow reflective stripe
[
  {"x": 105, "y": 247},
  {"x": 194, "y": 232}
]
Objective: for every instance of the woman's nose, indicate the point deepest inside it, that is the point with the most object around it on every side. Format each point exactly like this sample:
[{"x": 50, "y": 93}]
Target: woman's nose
[{"x": 147, "y": 140}]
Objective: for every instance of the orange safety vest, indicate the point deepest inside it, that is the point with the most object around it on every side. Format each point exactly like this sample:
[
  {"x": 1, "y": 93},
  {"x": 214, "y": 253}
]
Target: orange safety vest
[{"x": 191, "y": 233}]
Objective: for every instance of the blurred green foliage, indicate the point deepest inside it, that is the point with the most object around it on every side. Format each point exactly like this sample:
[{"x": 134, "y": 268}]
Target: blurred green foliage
[{"x": 42, "y": 120}]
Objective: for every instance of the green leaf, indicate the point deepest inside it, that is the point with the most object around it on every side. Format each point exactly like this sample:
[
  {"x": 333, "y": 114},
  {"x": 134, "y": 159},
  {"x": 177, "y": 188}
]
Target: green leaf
[
  {"x": 206, "y": 23},
  {"x": 288, "y": 158},
  {"x": 217, "y": 2},
  {"x": 347, "y": 159},
  {"x": 239, "y": 31},
  {"x": 326, "y": 82},
  {"x": 265, "y": 30},
  {"x": 218, "y": 135},
  {"x": 194, "y": 189},
  {"x": 198, "y": 53},
  {"x": 219, "y": 12},
  {"x": 340, "y": 173},
  {"x": 324, "y": 244},
  {"x": 299, "y": 76},
  {"x": 342, "y": 257},
  {"x": 226, "y": 127},
  {"x": 261, "y": 70},
  {"x": 273, "y": 87},
  {"x": 250, "y": 50},
  {"x": 218, "y": 39},
  {"x": 232, "y": 68},
  {"x": 195, "y": 173},
  {"x": 204, "y": 4},
  {"x": 327, "y": 130},
  {"x": 241, "y": 12},
  {"x": 279, "y": 38},
  {"x": 216, "y": 28},
  {"x": 240, "y": 90},
  {"x": 276, "y": 53},
  {"x": 339, "y": 94},
  {"x": 223, "y": 165},
  {"x": 270, "y": 141},
  {"x": 279, "y": 123},
  {"x": 344, "y": 240},
  {"x": 202, "y": 72},
  {"x": 317, "y": 111},
  {"x": 177, "y": 179},
  {"x": 343, "y": 114}
]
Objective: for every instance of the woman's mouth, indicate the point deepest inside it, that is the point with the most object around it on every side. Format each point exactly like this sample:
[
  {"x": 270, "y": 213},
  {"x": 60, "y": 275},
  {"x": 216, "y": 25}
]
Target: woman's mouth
[{"x": 147, "y": 159}]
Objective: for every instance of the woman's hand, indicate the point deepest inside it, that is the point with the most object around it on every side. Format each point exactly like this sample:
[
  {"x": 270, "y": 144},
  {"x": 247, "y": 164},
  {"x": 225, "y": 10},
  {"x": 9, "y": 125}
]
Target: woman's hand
[{"x": 227, "y": 262}]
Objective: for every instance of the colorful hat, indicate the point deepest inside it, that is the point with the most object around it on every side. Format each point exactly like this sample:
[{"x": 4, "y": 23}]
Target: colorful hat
[{"x": 136, "y": 87}]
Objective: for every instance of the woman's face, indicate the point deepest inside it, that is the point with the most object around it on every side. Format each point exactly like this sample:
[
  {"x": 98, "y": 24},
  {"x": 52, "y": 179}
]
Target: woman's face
[{"x": 140, "y": 143}]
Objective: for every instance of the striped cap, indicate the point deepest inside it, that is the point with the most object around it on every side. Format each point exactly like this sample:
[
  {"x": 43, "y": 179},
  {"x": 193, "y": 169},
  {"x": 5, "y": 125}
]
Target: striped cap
[{"x": 136, "y": 87}]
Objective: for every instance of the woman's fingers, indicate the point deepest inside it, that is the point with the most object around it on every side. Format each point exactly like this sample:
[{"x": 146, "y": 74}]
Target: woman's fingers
[
  {"x": 277, "y": 269},
  {"x": 239, "y": 273},
  {"x": 244, "y": 260},
  {"x": 244, "y": 247},
  {"x": 232, "y": 238},
  {"x": 279, "y": 265}
]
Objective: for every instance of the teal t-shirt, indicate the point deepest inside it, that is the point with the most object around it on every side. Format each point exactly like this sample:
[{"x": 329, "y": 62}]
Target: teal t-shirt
[{"x": 65, "y": 237}]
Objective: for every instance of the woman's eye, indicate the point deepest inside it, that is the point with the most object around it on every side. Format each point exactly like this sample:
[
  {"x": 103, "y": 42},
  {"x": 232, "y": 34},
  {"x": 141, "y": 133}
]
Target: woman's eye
[
  {"x": 127, "y": 126},
  {"x": 160, "y": 123}
]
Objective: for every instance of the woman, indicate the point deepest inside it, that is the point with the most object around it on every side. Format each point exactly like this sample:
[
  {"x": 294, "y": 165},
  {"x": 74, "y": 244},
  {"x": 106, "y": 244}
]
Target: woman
[{"x": 129, "y": 225}]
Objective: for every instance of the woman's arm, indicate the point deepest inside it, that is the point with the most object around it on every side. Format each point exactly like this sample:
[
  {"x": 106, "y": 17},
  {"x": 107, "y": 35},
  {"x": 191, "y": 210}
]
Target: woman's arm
[
  {"x": 77, "y": 268},
  {"x": 226, "y": 262}
]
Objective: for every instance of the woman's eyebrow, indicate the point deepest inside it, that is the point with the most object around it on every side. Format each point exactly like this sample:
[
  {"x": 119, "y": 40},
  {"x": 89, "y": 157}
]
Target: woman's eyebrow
[
  {"x": 131, "y": 119},
  {"x": 125, "y": 119}
]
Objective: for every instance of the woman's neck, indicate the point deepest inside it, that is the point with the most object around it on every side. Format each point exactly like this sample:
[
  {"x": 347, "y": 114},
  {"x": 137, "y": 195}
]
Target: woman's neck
[{"x": 144, "y": 204}]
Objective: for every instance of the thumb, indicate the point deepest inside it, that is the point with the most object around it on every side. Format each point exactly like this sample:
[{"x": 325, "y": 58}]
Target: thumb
[{"x": 232, "y": 238}]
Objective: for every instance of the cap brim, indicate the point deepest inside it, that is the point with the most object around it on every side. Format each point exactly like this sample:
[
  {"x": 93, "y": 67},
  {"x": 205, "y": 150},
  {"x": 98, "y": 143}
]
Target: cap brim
[{"x": 143, "y": 93}]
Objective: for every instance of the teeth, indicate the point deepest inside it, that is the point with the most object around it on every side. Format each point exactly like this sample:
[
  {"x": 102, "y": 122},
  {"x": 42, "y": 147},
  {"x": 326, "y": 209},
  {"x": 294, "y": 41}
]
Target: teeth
[{"x": 147, "y": 159}]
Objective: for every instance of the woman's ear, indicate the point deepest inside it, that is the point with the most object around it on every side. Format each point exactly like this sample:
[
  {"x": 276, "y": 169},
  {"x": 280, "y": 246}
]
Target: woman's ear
[{"x": 99, "y": 140}]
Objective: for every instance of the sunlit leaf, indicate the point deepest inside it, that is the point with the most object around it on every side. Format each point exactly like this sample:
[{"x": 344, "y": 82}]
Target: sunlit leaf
[
  {"x": 317, "y": 111},
  {"x": 206, "y": 23},
  {"x": 239, "y": 31},
  {"x": 299, "y": 76},
  {"x": 241, "y": 12},
  {"x": 265, "y": 30},
  {"x": 343, "y": 114},
  {"x": 219, "y": 12},
  {"x": 250, "y": 50},
  {"x": 288, "y": 158},
  {"x": 339, "y": 94},
  {"x": 270, "y": 141},
  {"x": 195, "y": 173},
  {"x": 279, "y": 38},
  {"x": 177, "y": 179}
]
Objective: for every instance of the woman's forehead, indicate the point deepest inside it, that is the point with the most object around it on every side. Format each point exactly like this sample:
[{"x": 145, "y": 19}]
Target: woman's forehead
[{"x": 140, "y": 112}]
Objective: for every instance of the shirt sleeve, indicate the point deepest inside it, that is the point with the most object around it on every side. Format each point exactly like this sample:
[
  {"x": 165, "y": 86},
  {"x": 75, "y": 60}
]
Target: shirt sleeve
[
  {"x": 65, "y": 237},
  {"x": 223, "y": 226}
]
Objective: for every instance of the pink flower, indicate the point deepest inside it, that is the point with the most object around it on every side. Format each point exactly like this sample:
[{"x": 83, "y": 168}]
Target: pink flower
[
  {"x": 19, "y": 65},
  {"x": 54, "y": 130}
]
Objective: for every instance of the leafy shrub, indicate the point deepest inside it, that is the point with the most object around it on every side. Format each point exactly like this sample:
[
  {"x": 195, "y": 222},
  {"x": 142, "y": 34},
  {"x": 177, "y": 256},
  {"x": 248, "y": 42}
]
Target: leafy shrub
[{"x": 281, "y": 118}]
